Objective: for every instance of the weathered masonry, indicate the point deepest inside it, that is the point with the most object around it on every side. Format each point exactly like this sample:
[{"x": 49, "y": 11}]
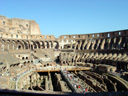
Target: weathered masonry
[{"x": 82, "y": 63}]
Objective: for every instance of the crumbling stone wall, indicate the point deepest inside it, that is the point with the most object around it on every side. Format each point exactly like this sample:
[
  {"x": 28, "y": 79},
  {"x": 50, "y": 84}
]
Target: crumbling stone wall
[{"x": 20, "y": 26}]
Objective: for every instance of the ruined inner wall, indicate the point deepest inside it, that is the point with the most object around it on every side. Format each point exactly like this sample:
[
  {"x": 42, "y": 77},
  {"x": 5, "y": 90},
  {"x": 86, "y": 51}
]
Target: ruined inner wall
[{"x": 19, "y": 26}]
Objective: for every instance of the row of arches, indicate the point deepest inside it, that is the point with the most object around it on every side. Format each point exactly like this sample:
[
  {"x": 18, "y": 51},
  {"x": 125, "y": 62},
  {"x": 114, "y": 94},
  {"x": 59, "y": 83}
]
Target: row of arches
[
  {"x": 7, "y": 44},
  {"x": 107, "y": 43},
  {"x": 120, "y": 60}
]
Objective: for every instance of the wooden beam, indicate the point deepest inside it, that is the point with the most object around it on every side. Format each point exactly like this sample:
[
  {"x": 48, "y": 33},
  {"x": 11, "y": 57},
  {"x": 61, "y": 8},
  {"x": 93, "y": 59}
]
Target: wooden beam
[{"x": 59, "y": 70}]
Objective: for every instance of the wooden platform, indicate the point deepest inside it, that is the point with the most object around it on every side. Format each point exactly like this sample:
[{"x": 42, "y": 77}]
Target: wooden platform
[{"x": 75, "y": 70}]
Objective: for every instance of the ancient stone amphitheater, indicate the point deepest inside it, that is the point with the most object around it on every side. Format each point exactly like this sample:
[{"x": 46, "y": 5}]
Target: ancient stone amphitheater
[{"x": 84, "y": 64}]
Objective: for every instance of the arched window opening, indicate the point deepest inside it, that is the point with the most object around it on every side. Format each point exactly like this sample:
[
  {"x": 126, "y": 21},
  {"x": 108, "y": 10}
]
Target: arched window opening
[
  {"x": 22, "y": 58},
  {"x": 26, "y": 57},
  {"x": 119, "y": 33},
  {"x": 3, "y": 22},
  {"x": 108, "y": 35},
  {"x": 19, "y": 47}
]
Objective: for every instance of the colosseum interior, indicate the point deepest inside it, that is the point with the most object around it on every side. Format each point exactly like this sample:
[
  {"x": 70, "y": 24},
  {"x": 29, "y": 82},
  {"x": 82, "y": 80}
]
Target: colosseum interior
[{"x": 80, "y": 64}]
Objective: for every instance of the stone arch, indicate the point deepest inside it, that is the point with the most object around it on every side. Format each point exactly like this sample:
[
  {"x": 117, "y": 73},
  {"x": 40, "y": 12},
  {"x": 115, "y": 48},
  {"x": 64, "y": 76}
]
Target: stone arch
[
  {"x": 114, "y": 43},
  {"x": 77, "y": 45},
  {"x": 77, "y": 58},
  {"x": 56, "y": 45},
  {"x": 28, "y": 43},
  {"x": 5, "y": 46},
  {"x": 11, "y": 45},
  {"x": 20, "y": 45},
  {"x": 98, "y": 44},
  {"x": 117, "y": 42},
  {"x": 46, "y": 44},
  {"x": 26, "y": 46},
  {"x": 42, "y": 44},
  {"x": 93, "y": 44},
  {"x": 38, "y": 44},
  {"x": 109, "y": 44},
  {"x": 124, "y": 43},
  {"x": 89, "y": 44},
  {"x": 81, "y": 45},
  {"x": 50, "y": 44},
  {"x": 106, "y": 43},
  {"x": 14, "y": 45},
  {"x": 33, "y": 45},
  {"x": 102, "y": 44},
  {"x": 85, "y": 42}
]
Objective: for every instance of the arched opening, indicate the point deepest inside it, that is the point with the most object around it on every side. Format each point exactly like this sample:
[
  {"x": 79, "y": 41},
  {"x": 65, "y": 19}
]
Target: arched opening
[
  {"x": 24, "y": 63},
  {"x": 15, "y": 45},
  {"x": 44, "y": 65},
  {"x": 3, "y": 22},
  {"x": 19, "y": 47},
  {"x": 48, "y": 64},
  {"x": 56, "y": 45},
  {"x": 42, "y": 45},
  {"x": 77, "y": 45},
  {"x": 38, "y": 44},
  {"x": 22, "y": 58},
  {"x": 25, "y": 45},
  {"x": 46, "y": 44},
  {"x": 33, "y": 45},
  {"x": 50, "y": 44}
]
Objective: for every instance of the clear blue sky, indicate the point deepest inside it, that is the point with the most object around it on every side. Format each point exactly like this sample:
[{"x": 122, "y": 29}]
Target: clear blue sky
[{"x": 60, "y": 17}]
